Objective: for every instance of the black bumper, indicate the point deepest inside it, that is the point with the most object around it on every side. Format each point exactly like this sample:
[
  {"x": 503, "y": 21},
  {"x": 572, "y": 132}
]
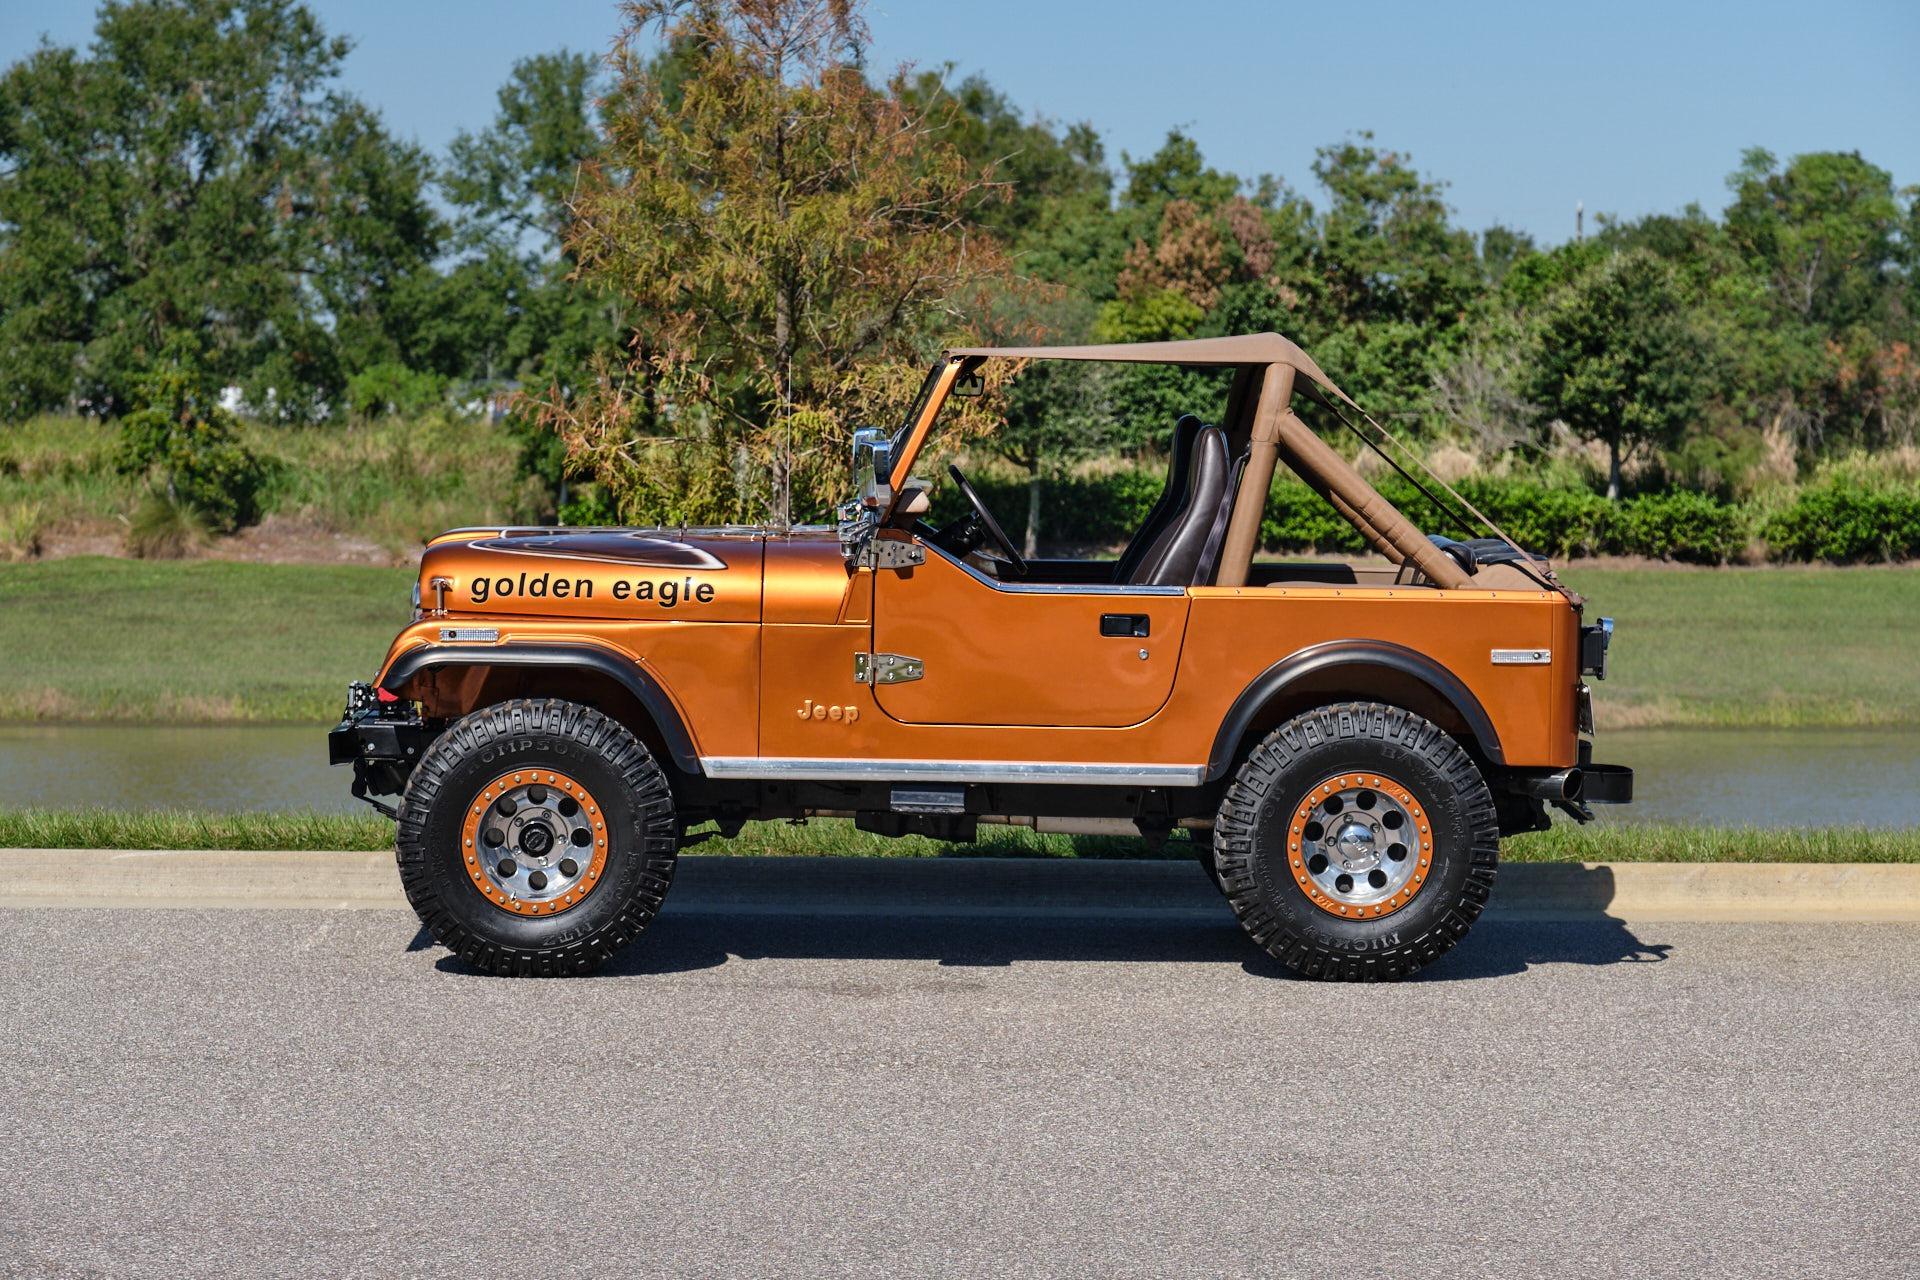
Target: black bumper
[
  {"x": 381, "y": 740},
  {"x": 1606, "y": 784}
]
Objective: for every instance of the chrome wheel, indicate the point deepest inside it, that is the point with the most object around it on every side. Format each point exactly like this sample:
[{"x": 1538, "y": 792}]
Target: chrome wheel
[
  {"x": 1359, "y": 845},
  {"x": 534, "y": 842}
]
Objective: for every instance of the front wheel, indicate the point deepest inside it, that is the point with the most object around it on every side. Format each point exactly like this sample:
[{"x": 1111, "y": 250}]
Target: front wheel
[
  {"x": 1357, "y": 842},
  {"x": 537, "y": 837}
]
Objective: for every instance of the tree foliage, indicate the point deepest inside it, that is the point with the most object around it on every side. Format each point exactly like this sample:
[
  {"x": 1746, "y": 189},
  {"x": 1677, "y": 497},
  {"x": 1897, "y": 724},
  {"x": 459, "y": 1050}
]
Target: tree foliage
[
  {"x": 707, "y": 257},
  {"x": 179, "y": 435},
  {"x": 196, "y": 173},
  {"x": 1619, "y": 360},
  {"x": 786, "y": 238}
]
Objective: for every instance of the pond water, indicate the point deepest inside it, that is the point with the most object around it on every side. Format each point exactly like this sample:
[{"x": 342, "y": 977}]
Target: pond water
[{"x": 1766, "y": 777}]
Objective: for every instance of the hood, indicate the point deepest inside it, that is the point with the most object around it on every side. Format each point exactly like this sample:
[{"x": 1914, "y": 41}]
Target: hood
[{"x": 706, "y": 575}]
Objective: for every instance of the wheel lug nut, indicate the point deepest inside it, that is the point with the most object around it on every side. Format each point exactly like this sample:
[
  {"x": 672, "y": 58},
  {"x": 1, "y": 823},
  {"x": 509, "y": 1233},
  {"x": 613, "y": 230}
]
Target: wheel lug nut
[
  {"x": 505, "y": 806},
  {"x": 507, "y": 869},
  {"x": 538, "y": 880},
  {"x": 537, "y": 794},
  {"x": 568, "y": 867}
]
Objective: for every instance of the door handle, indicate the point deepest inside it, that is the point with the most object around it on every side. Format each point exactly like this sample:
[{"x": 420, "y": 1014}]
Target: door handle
[{"x": 1133, "y": 626}]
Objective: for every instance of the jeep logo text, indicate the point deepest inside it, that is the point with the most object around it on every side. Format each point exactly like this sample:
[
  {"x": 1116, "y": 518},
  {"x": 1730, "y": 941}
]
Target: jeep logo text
[{"x": 811, "y": 710}]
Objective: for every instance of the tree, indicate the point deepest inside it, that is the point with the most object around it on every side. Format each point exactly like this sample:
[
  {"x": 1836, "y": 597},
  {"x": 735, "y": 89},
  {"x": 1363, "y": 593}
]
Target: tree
[
  {"x": 1057, "y": 222},
  {"x": 509, "y": 308},
  {"x": 787, "y": 239},
  {"x": 1390, "y": 284},
  {"x": 1822, "y": 230},
  {"x": 1618, "y": 359},
  {"x": 195, "y": 173},
  {"x": 179, "y": 436}
]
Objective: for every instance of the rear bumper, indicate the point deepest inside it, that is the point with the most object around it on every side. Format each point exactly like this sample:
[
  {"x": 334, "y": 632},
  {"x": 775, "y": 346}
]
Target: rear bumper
[
  {"x": 1606, "y": 784},
  {"x": 1573, "y": 791}
]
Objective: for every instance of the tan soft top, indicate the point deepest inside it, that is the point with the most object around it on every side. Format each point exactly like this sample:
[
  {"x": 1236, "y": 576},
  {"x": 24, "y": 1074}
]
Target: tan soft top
[{"x": 1238, "y": 351}]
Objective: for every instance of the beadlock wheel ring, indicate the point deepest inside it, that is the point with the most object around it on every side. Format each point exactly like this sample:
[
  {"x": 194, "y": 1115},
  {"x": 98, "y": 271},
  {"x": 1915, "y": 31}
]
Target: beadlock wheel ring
[
  {"x": 534, "y": 842},
  {"x": 1359, "y": 846}
]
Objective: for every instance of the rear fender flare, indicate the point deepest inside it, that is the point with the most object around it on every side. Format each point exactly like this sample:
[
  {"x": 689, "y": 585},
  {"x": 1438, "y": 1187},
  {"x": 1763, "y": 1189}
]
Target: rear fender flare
[
  {"x": 1361, "y": 655},
  {"x": 622, "y": 670}
]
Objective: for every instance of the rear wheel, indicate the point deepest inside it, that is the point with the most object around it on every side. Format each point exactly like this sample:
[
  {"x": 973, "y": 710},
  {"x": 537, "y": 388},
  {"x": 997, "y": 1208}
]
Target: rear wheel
[
  {"x": 1357, "y": 842},
  {"x": 537, "y": 837},
  {"x": 1203, "y": 854}
]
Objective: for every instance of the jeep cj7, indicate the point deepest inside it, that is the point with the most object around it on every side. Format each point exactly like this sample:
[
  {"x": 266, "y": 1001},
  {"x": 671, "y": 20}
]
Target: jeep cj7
[{"x": 1342, "y": 743}]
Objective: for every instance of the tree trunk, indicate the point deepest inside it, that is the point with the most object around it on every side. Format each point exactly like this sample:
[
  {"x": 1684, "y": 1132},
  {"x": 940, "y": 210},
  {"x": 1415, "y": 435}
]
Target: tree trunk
[
  {"x": 1032, "y": 548},
  {"x": 784, "y": 340},
  {"x": 783, "y": 394},
  {"x": 1613, "y": 471}
]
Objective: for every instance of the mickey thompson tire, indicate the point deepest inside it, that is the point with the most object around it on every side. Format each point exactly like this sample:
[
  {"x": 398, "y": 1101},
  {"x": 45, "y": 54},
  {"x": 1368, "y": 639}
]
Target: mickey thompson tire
[
  {"x": 516, "y": 901},
  {"x": 1357, "y": 842}
]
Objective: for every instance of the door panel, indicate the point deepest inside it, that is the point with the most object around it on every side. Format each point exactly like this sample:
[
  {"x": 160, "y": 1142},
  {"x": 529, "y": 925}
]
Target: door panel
[{"x": 993, "y": 655}]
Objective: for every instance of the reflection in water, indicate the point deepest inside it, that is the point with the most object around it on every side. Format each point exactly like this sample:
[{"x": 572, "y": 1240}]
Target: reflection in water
[
  {"x": 1767, "y": 777},
  {"x": 204, "y": 767}
]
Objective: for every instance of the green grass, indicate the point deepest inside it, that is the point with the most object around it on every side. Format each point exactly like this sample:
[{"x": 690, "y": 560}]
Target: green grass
[
  {"x": 214, "y": 641},
  {"x": 393, "y": 483},
  {"x": 116, "y": 829},
  {"x": 203, "y": 641},
  {"x": 109, "y": 829},
  {"x": 1773, "y": 647}
]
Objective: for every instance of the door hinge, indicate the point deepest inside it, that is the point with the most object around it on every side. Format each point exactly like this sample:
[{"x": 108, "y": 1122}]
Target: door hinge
[
  {"x": 889, "y": 553},
  {"x": 886, "y": 668}
]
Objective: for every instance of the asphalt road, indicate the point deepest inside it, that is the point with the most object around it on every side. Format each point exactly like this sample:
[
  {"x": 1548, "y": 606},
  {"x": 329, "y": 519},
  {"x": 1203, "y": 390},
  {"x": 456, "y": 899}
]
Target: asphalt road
[{"x": 320, "y": 1093}]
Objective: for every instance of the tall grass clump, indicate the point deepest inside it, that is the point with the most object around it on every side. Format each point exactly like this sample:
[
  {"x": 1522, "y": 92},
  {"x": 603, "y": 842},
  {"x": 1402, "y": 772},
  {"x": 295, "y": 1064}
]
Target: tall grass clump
[
  {"x": 21, "y": 527},
  {"x": 163, "y": 528},
  {"x": 397, "y": 482}
]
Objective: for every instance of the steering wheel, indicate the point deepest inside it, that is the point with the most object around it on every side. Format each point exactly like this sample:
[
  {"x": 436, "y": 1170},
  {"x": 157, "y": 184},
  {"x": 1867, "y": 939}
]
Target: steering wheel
[{"x": 964, "y": 534}]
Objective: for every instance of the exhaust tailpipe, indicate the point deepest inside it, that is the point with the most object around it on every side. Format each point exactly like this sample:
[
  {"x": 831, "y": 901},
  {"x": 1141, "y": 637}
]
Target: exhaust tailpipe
[{"x": 1563, "y": 787}]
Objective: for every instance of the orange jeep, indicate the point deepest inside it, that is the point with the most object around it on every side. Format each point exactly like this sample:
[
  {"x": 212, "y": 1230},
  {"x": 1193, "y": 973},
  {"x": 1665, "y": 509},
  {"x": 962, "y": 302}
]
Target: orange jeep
[{"x": 1344, "y": 743}]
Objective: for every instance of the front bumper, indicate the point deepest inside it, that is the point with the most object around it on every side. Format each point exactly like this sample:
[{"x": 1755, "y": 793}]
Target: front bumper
[{"x": 383, "y": 741}]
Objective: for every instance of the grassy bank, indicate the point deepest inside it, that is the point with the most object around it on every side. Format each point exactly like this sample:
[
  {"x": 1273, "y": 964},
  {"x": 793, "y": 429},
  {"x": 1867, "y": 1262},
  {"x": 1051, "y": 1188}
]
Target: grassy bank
[
  {"x": 106, "y": 829},
  {"x": 1781, "y": 648},
  {"x": 92, "y": 638},
  {"x": 390, "y": 484},
  {"x": 203, "y": 641}
]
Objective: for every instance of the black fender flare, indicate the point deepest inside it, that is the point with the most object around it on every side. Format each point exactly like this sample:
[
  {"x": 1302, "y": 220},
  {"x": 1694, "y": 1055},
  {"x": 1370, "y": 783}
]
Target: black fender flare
[
  {"x": 1350, "y": 653},
  {"x": 622, "y": 670}
]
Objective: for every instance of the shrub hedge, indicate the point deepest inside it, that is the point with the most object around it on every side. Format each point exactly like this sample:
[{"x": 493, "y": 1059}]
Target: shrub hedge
[
  {"x": 1842, "y": 520},
  {"x": 1834, "y": 519}
]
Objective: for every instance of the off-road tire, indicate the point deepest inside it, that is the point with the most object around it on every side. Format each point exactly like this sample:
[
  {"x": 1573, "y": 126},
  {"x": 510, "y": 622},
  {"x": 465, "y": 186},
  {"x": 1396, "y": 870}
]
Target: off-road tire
[
  {"x": 1202, "y": 840},
  {"x": 1252, "y": 831},
  {"x": 578, "y": 742}
]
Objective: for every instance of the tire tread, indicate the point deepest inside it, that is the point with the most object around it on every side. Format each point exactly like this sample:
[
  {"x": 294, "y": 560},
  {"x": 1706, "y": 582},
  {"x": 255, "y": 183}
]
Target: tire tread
[
  {"x": 1264, "y": 771},
  {"x": 644, "y": 785}
]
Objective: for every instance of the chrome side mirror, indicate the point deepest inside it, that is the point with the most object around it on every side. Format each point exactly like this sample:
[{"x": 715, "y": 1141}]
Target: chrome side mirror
[{"x": 872, "y": 464}]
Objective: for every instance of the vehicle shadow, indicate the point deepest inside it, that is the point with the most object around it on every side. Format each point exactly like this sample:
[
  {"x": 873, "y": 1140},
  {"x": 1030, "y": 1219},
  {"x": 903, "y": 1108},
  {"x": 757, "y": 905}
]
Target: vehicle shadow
[{"x": 999, "y": 913}]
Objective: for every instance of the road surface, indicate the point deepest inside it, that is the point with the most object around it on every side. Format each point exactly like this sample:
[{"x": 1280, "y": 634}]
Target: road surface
[{"x": 308, "y": 1092}]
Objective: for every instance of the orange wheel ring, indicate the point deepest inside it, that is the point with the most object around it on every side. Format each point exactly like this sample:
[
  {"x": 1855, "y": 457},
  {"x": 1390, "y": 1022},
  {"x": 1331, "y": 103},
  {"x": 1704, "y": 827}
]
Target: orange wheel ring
[
  {"x": 534, "y": 842},
  {"x": 1360, "y": 846}
]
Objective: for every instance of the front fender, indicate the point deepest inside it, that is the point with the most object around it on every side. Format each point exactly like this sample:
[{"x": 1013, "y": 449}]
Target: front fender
[{"x": 556, "y": 656}]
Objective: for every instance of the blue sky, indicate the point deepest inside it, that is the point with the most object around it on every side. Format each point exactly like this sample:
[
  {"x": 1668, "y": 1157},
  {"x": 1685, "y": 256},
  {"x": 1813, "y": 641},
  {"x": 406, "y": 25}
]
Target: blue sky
[{"x": 1523, "y": 109}]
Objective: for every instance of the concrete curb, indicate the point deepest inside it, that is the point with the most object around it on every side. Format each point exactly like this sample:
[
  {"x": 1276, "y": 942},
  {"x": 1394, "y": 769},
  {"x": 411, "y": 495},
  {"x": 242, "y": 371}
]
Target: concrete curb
[{"x": 1759, "y": 892}]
